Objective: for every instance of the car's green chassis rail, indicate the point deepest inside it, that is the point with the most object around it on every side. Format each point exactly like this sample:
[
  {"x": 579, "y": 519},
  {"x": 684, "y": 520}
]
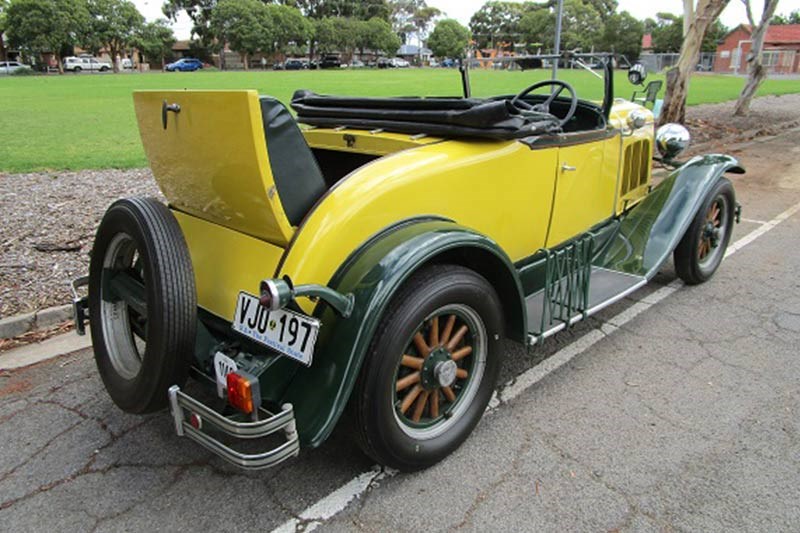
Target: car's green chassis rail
[{"x": 630, "y": 248}]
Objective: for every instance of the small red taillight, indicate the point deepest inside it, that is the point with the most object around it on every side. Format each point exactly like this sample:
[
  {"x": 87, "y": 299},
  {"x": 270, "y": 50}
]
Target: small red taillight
[
  {"x": 266, "y": 299},
  {"x": 196, "y": 421},
  {"x": 244, "y": 392}
]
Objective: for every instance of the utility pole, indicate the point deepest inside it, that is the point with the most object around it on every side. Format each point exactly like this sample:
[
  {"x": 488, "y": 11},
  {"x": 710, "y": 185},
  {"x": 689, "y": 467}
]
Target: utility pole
[{"x": 557, "y": 47}]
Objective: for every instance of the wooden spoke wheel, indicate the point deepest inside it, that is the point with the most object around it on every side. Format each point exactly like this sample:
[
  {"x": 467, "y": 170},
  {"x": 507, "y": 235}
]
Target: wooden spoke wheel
[
  {"x": 702, "y": 248},
  {"x": 713, "y": 231},
  {"x": 441, "y": 366},
  {"x": 431, "y": 368}
]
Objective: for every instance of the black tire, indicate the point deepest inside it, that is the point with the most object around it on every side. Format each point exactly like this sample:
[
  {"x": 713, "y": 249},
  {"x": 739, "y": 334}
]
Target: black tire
[
  {"x": 140, "y": 238},
  {"x": 702, "y": 248},
  {"x": 76, "y": 70},
  {"x": 103, "y": 69},
  {"x": 382, "y": 429}
]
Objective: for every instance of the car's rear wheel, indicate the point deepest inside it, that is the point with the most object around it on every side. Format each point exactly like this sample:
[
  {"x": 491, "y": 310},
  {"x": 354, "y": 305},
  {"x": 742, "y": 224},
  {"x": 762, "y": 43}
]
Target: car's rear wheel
[
  {"x": 430, "y": 370},
  {"x": 142, "y": 304},
  {"x": 77, "y": 69},
  {"x": 703, "y": 247}
]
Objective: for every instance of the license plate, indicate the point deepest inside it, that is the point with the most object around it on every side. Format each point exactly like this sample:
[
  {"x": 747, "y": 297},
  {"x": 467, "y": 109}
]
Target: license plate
[
  {"x": 287, "y": 332},
  {"x": 223, "y": 365}
]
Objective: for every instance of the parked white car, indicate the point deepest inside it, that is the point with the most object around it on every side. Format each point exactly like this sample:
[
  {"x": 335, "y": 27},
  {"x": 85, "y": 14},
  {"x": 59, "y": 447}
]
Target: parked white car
[
  {"x": 10, "y": 67},
  {"x": 77, "y": 64},
  {"x": 399, "y": 62}
]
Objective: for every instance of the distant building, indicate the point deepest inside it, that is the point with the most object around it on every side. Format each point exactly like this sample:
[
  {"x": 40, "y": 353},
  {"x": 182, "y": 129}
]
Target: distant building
[
  {"x": 412, "y": 53},
  {"x": 182, "y": 48},
  {"x": 647, "y": 43},
  {"x": 781, "y": 50}
]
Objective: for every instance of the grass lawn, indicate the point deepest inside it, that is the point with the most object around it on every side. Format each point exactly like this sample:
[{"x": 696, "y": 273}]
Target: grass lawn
[{"x": 87, "y": 121}]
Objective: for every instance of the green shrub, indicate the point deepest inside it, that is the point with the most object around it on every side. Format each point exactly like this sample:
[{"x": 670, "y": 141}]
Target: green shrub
[{"x": 23, "y": 72}]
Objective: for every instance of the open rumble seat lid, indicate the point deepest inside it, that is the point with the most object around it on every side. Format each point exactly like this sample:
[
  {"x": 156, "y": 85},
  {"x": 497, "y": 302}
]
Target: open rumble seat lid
[{"x": 208, "y": 153}]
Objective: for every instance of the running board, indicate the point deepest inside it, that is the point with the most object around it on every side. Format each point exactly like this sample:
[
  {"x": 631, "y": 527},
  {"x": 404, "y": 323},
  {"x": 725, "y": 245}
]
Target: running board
[{"x": 605, "y": 288}]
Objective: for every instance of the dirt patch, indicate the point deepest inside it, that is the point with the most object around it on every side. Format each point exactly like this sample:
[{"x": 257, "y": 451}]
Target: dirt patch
[
  {"x": 49, "y": 220},
  {"x": 715, "y": 124},
  {"x": 12, "y": 385}
]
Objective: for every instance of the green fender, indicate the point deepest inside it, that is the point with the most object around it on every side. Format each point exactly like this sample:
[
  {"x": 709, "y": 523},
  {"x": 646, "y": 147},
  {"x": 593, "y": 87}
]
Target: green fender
[
  {"x": 373, "y": 274},
  {"x": 651, "y": 231}
]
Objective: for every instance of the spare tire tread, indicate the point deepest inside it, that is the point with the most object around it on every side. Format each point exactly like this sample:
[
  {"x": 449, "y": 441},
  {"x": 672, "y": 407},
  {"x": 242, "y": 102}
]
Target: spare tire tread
[{"x": 171, "y": 299}]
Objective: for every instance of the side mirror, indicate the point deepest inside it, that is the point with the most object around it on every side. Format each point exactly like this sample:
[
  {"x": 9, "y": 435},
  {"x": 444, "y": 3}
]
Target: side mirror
[
  {"x": 672, "y": 140},
  {"x": 637, "y": 74}
]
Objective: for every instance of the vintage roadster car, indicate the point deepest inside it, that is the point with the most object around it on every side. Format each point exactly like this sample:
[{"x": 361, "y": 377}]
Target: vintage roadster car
[{"x": 366, "y": 265}]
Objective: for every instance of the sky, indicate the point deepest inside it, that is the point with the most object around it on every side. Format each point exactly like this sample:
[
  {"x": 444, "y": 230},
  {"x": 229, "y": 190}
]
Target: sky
[{"x": 462, "y": 10}]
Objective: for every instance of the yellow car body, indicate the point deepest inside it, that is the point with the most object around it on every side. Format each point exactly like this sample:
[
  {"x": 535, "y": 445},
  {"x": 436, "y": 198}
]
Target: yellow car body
[
  {"x": 212, "y": 165},
  {"x": 326, "y": 222}
]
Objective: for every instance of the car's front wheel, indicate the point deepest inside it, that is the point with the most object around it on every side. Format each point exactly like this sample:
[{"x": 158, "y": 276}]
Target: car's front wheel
[
  {"x": 702, "y": 248},
  {"x": 431, "y": 368},
  {"x": 77, "y": 69}
]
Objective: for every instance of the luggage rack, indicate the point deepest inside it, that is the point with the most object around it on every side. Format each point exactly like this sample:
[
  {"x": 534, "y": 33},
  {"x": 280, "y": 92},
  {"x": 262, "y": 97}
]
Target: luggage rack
[{"x": 574, "y": 289}]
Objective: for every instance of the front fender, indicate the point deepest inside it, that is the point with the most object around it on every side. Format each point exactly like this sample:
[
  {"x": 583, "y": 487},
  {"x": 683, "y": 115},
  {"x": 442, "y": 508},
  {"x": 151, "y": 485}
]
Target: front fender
[
  {"x": 373, "y": 274},
  {"x": 652, "y": 229}
]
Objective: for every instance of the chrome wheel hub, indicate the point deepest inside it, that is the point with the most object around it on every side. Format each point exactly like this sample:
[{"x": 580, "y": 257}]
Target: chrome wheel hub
[{"x": 445, "y": 373}]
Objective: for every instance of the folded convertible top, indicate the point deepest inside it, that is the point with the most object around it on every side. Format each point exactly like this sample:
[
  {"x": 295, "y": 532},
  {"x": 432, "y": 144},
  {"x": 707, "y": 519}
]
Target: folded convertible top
[{"x": 443, "y": 117}]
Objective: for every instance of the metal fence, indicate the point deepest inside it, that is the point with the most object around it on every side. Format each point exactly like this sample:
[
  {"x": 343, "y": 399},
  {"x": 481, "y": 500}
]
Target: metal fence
[
  {"x": 775, "y": 61},
  {"x": 659, "y": 62}
]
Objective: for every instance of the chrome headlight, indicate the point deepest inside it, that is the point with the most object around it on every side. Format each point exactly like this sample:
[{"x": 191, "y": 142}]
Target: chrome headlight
[
  {"x": 672, "y": 140},
  {"x": 637, "y": 119}
]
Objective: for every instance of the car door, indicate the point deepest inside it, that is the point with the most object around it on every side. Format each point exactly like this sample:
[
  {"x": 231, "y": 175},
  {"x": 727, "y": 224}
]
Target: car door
[{"x": 586, "y": 179}]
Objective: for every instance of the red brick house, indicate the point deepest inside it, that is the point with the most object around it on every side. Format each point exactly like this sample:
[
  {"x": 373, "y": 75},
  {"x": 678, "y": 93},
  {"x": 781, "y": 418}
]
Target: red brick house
[
  {"x": 781, "y": 50},
  {"x": 647, "y": 43}
]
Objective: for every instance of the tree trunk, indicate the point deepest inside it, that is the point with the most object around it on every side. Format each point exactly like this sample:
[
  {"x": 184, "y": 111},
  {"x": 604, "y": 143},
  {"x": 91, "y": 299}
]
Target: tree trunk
[
  {"x": 688, "y": 15},
  {"x": 244, "y": 61},
  {"x": 58, "y": 62},
  {"x": 674, "y": 109},
  {"x": 756, "y": 71},
  {"x": 2, "y": 48},
  {"x": 114, "y": 53}
]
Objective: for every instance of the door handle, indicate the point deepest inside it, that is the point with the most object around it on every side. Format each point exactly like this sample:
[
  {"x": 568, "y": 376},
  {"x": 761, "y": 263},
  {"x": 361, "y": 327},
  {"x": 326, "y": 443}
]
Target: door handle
[
  {"x": 166, "y": 108},
  {"x": 567, "y": 168}
]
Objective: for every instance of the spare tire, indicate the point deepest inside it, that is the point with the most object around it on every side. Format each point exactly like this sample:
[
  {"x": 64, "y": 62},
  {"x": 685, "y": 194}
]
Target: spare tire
[{"x": 142, "y": 304}]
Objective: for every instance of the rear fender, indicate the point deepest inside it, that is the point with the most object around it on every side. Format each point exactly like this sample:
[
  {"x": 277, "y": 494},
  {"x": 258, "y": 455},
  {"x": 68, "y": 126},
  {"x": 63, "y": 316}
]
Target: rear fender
[
  {"x": 650, "y": 231},
  {"x": 373, "y": 274}
]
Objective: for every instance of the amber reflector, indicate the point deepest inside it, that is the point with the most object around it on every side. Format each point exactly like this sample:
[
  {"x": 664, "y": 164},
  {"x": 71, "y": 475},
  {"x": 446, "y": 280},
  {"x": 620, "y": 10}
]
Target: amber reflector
[{"x": 243, "y": 392}]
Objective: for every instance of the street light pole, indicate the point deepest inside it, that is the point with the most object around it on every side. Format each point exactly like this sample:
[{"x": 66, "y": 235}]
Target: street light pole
[{"x": 557, "y": 47}]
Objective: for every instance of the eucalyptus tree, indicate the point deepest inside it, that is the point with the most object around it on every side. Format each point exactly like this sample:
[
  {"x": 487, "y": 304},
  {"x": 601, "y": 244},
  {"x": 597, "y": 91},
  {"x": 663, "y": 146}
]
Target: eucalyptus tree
[
  {"x": 113, "y": 25},
  {"x": 756, "y": 73},
  {"x": 46, "y": 26},
  {"x": 702, "y": 17}
]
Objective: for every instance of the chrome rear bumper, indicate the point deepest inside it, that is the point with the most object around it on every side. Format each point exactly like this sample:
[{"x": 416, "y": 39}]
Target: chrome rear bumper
[{"x": 184, "y": 406}]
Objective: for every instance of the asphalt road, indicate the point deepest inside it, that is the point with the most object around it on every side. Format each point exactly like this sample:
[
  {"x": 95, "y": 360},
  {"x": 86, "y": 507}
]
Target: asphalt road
[{"x": 681, "y": 414}]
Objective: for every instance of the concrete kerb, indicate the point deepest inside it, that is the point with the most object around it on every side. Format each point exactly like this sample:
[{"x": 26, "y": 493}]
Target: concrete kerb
[{"x": 17, "y": 325}]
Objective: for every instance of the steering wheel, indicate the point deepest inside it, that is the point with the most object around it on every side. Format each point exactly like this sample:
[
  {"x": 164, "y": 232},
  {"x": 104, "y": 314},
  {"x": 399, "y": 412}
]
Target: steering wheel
[{"x": 544, "y": 107}]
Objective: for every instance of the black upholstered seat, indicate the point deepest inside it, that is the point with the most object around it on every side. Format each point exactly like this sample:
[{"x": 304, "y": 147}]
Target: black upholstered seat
[{"x": 294, "y": 168}]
